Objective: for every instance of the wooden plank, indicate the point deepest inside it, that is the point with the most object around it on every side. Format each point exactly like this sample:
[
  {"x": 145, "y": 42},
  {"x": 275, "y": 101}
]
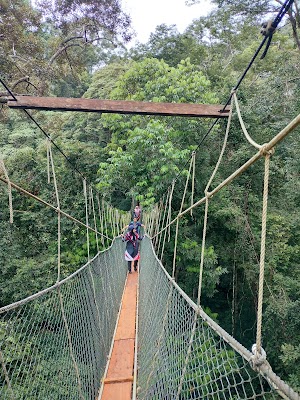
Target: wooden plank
[
  {"x": 119, "y": 106},
  {"x": 121, "y": 362},
  {"x": 117, "y": 391},
  {"x": 119, "y": 377}
]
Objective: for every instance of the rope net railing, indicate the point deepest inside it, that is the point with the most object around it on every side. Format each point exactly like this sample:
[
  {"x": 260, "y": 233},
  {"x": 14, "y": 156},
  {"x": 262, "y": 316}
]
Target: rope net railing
[
  {"x": 54, "y": 344},
  {"x": 171, "y": 327}
]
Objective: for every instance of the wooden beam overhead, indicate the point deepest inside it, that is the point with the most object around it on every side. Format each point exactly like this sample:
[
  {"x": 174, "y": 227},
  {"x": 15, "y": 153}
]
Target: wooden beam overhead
[{"x": 118, "y": 106}]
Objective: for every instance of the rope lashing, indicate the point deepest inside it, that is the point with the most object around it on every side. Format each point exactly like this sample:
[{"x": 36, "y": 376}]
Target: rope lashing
[
  {"x": 258, "y": 358},
  {"x": 11, "y": 211}
]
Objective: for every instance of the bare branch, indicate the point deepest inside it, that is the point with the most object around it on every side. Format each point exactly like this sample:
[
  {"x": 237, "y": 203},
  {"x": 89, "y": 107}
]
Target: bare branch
[{"x": 61, "y": 50}]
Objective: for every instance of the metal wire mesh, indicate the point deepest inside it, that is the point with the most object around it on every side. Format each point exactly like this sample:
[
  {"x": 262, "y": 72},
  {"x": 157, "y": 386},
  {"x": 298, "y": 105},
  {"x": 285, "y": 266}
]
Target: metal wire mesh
[
  {"x": 56, "y": 345},
  {"x": 213, "y": 370}
]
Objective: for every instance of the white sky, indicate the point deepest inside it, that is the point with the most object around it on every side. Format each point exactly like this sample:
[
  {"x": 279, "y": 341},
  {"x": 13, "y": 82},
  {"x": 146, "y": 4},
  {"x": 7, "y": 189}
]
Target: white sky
[{"x": 147, "y": 14}]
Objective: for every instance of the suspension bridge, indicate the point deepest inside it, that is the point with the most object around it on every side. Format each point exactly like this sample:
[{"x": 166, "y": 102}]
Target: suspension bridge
[{"x": 103, "y": 334}]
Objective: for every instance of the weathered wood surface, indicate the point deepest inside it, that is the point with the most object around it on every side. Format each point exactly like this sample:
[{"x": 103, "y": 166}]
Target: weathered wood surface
[{"x": 119, "y": 106}]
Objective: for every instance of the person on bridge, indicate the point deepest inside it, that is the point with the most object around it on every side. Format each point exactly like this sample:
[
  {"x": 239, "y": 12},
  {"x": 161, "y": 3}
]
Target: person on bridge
[
  {"x": 132, "y": 247},
  {"x": 136, "y": 225},
  {"x": 137, "y": 213}
]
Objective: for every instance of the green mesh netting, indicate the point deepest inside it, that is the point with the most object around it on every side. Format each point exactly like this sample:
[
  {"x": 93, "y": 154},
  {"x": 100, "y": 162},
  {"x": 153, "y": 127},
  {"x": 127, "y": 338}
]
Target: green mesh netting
[
  {"x": 38, "y": 359},
  {"x": 214, "y": 370}
]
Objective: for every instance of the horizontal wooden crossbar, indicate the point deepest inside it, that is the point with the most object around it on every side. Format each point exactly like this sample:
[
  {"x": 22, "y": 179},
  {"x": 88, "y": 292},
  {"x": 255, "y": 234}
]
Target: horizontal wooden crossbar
[
  {"x": 119, "y": 380},
  {"x": 117, "y": 106}
]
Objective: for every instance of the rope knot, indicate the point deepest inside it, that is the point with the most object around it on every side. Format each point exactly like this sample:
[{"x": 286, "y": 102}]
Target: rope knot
[
  {"x": 264, "y": 151},
  {"x": 207, "y": 194},
  {"x": 259, "y": 357}
]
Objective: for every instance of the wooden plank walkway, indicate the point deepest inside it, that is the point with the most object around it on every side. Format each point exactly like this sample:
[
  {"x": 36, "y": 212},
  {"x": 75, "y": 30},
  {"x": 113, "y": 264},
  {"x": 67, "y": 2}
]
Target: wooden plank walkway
[{"x": 119, "y": 377}]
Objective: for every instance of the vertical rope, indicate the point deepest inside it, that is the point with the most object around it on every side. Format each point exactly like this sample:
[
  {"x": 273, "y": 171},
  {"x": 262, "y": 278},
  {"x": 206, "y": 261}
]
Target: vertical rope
[
  {"x": 170, "y": 210},
  {"x": 58, "y": 213},
  {"x": 163, "y": 221},
  {"x": 86, "y": 218},
  {"x": 105, "y": 221},
  {"x": 48, "y": 145},
  {"x": 202, "y": 251},
  {"x": 11, "y": 212},
  {"x": 94, "y": 217},
  {"x": 262, "y": 253},
  {"x": 193, "y": 180},
  {"x": 177, "y": 222},
  {"x": 101, "y": 221}
]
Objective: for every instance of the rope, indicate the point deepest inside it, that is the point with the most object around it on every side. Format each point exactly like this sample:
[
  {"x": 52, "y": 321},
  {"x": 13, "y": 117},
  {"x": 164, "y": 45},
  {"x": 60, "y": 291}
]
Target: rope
[
  {"x": 58, "y": 213},
  {"x": 193, "y": 179},
  {"x": 262, "y": 255},
  {"x": 177, "y": 223},
  {"x": 101, "y": 220},
  {"x": 86, "y": 219},
  {"x": 94, "y": 218},
  {"x": 11, "y": 212},
  {"x": 170, "y": 209},
  {"x": 48, "y": 146},
  {"x": 248, "y": 137},
  {"x": 163, "y": 220}
]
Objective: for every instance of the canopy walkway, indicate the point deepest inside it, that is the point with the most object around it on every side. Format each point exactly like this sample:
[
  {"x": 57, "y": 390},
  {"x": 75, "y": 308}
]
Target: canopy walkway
[
  {"x": 64, "y": 342},
  {"x": 56, "y": 343}
]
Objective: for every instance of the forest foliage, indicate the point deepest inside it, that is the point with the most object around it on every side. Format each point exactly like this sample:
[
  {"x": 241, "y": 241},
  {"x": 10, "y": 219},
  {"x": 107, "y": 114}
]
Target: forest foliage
[{"x": 77, "y": 49}]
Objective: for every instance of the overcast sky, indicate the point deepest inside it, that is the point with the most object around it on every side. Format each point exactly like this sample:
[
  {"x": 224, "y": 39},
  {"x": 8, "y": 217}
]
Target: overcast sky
[{"x": 147, "y": 14}]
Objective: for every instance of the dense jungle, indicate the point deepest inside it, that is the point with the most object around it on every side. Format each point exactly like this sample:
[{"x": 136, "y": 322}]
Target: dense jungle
[{"x": 82, "y": 49}]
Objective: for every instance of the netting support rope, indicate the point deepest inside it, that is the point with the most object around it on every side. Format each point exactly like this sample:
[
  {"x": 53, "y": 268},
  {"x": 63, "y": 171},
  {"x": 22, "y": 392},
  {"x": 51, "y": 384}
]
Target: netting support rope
[{"x": 11, "y": 212}]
